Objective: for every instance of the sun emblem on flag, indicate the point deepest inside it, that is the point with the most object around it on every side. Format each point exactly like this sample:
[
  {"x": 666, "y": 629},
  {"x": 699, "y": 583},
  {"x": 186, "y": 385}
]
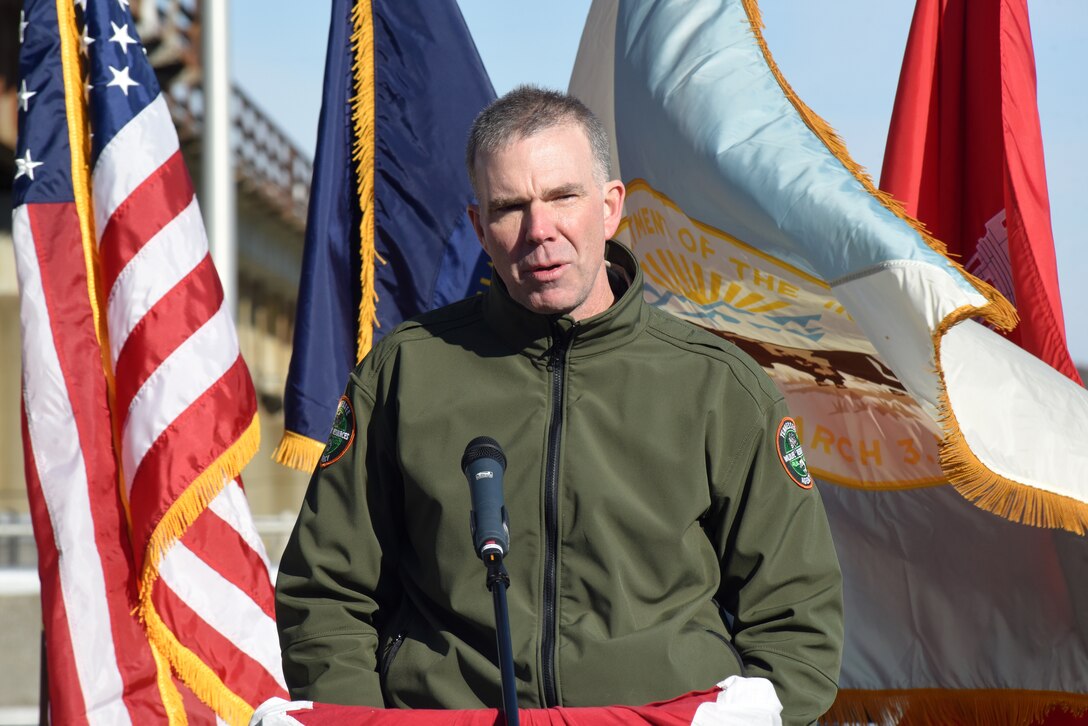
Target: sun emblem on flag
[
  {"x": 791, "y": 455},
  {"x": 342, "y": 434}
]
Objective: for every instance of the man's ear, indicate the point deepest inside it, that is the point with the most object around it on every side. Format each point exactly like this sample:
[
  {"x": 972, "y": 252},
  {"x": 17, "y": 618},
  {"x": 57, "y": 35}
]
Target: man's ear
[
  {"x": 614, "y": 194},
  {"x": 477, "y": 223}
]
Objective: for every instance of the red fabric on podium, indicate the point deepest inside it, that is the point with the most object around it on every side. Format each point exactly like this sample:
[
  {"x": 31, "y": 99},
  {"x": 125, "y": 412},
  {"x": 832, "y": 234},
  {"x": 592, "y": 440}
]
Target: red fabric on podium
[{"x": 675, "y": 712}]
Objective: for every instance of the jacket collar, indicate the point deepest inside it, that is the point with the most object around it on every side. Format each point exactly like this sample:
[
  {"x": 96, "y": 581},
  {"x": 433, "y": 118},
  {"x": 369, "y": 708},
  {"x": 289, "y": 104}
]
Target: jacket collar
[{"x": 533, "y": 334}]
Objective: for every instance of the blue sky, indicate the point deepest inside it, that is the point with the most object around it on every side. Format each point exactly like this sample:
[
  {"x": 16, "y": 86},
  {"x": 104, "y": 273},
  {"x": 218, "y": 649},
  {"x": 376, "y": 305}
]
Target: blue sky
[{"x": 842, "y": 58}]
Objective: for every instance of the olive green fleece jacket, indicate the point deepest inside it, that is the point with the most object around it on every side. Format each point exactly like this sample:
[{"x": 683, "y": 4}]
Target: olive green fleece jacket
[{"x": 644, "y": 487}]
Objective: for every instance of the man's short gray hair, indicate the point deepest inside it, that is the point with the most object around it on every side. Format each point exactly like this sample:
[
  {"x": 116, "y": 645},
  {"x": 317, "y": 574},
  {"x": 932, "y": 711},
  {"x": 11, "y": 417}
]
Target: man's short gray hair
[{"x": 527, "y": 110}]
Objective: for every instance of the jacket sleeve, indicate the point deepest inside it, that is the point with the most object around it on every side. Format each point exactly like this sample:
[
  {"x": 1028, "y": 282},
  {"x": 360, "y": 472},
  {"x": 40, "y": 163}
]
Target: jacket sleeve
[
  {"x": 780, "y": 574},
  {"x": 337, "y": 582}
]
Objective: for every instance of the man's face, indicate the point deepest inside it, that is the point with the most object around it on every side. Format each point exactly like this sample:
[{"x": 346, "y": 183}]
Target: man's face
[{"x": 543, "y": 218}]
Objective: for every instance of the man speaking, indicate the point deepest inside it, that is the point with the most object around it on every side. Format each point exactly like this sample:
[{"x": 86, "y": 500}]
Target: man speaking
[{"x": 665, "y": 532}]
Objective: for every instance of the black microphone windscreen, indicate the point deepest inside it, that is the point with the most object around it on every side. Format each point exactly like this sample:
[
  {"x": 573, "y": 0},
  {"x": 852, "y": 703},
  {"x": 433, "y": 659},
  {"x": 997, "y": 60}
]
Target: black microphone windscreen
[{"x": 483, "y": 447}]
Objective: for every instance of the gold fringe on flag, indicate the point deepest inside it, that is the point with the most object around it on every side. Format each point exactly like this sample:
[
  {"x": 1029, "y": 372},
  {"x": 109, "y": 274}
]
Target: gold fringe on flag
[
  {"x": 1000, "y": 311},
  {"x": 966, "y": 473},
  {"x": 362, "y": 114},
  {"x": 171, "y": 696},
  {"x": 194, "y": 500},
  {"x": 295, "y": 450},
  {"x": 986, "y": 489},
  {"x": 79, "y": 144},
  {"x": 940, "y": 707},
  {"x": 298, "y": 452},
  {"x": 193, "y": 672}
]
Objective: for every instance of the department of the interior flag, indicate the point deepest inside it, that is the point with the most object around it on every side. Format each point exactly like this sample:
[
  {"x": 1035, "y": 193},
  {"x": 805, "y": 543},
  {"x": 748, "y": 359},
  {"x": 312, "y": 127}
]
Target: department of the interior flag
[{"x": 751, "y": 220}]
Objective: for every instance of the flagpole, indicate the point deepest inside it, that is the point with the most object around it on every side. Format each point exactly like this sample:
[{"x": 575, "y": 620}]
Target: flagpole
[
  {"x": 218, "y": 199},
  {"x": 43, "y": 683}
]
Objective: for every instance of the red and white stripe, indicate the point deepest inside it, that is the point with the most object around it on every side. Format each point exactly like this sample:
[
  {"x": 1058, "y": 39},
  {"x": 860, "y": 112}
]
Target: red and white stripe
[
  {"x": 98, "y": 652},
  {"x": 198, "y": 576},
  {"x": 182, "y": 398}
]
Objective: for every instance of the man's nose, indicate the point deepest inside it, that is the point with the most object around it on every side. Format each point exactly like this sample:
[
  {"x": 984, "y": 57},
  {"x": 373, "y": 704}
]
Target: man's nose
[{"x": 539, "y": 222}]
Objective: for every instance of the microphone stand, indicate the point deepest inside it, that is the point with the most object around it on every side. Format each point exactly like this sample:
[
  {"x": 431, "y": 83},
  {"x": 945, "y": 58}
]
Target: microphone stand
[{"x": 497, "y": 582}]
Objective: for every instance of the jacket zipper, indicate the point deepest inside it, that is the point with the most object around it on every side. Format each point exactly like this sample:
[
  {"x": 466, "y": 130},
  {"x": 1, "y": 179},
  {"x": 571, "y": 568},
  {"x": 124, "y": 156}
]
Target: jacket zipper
[
  {"x": 390, "y": 653},
  {"x": 732, "y": 649},
  {"x": 551, "y": 516}
]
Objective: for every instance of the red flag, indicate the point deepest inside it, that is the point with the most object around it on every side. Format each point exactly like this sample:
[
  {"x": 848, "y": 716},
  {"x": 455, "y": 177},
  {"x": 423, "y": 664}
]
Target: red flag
[
  {"x": 735, "y": 700},
  {"x": 965, "y": 156},
  {"x": 139, "y": 411}
]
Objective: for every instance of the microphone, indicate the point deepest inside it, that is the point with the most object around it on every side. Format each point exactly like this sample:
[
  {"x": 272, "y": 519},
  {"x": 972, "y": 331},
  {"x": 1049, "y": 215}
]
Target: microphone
[{"x": 484, "y": 464}]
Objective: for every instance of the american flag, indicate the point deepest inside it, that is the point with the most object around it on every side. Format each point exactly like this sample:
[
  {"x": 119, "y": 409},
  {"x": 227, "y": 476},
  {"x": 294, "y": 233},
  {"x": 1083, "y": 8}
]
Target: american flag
[{"x": 138, "y": 410}]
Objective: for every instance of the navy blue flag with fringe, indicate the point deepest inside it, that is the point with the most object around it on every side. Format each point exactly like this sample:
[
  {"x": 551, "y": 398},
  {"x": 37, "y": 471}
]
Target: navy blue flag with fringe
[{"x": 387, "y": 235}]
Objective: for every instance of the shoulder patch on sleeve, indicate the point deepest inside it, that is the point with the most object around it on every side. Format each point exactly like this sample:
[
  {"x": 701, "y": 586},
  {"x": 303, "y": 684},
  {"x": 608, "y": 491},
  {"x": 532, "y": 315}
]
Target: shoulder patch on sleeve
[
  {"x": 790, "y": 454},
  {"x": 342, "y": 435}
]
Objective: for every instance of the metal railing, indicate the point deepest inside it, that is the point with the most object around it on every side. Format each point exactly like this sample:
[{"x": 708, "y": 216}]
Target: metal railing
[
  {"x": 268, "y": 165},
  {"x": 268, "y": 160},
  {"x": 17, "y": 547}
]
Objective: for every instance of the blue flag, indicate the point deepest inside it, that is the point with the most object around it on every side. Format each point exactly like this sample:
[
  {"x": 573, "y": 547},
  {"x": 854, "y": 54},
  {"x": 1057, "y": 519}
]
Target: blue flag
[{"x": 387, "y": 236}]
